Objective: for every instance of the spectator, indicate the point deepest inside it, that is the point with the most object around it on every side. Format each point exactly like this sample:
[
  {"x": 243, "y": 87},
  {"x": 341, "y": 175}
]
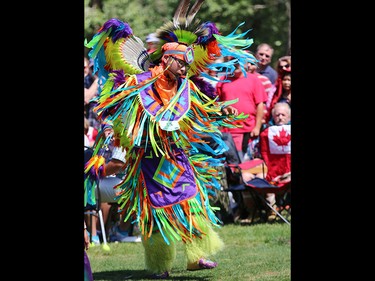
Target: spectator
[
  {"x": 152, "y": 42},
  {"x": 113, "y": 174},
  {"x": 90, "y": 133},
  {"x": 88, "y": 76},
  {"x": 212, "y": 76},
  {"x": 281, "y": 115},
  {"x": 86, "y": 129},
  {"x": 284, "y": 63},
  {"x": 91, "y": 85},
  {"x": 264, "y": 56},
  {"x": 251, "y": 100},
  {"x": 283, "y": 88},
  {"x": 286, "y": 83},
  {"x": 252, "y": 97},
  {"x": 268, "y": 87}
]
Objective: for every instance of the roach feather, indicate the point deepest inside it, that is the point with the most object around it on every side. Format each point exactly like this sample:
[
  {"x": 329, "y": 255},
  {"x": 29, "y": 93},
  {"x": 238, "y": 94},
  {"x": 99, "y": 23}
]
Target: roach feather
[
  {"x": 193, "y": 11},
  {"x": 180, "y": 12}
]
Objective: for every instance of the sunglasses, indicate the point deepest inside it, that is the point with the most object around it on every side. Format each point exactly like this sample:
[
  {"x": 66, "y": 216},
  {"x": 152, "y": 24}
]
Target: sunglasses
[
  {"x": 285, "y": 65},
  {"x": 181, "y": 63}
]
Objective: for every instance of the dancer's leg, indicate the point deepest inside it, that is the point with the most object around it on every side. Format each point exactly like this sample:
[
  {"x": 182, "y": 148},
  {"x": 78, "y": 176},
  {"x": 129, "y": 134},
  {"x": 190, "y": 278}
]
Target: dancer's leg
[
  {"x": 200, "y": 248},
  {"x": 159, "y": 256}
]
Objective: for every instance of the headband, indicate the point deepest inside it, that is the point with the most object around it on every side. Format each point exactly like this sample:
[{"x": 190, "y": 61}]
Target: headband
[{"x": 184, "y": 52}]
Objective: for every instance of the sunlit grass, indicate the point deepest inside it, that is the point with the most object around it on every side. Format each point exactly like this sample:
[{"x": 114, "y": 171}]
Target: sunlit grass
[{"x": 258, "y": 252}]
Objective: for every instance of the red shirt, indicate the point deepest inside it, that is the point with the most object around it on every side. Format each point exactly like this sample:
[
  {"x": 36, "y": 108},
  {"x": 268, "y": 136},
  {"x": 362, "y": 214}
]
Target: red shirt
[
  {"x": 270, "y": 89},
  {"x": 249, "y": 91}
]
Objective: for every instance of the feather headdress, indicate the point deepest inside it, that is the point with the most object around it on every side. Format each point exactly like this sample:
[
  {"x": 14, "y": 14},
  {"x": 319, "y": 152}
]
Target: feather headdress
[{"x": 205, "y": 39}]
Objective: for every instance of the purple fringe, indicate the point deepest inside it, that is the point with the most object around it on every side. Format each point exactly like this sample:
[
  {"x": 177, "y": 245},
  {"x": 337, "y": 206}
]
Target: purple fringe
[
  {"x": 204, "y": 86},
  {"x": 119, "y": 77},
  {"x": 212, "y": 29},
  {"x": 119, "y": 29}
]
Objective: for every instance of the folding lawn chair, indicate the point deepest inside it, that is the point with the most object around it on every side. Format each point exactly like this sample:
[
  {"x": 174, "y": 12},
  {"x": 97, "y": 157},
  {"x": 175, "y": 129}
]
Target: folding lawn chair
[
  {"x": 275, "y": 147},
  {"x": 275, "y": 142}
]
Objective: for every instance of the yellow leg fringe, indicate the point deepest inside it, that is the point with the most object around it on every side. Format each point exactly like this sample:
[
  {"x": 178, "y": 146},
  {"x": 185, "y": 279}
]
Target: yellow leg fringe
[
  {"x": 203, "y": 247},
  {"x": 159, "y": 256}
]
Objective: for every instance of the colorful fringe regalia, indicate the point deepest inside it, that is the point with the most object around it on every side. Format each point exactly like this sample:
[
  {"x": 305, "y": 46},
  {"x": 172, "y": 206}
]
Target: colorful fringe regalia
[{"x": 170, "y": 170}]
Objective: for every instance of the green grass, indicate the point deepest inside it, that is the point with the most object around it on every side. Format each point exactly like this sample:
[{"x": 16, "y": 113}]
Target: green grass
[{"x": 259, "y": 252}]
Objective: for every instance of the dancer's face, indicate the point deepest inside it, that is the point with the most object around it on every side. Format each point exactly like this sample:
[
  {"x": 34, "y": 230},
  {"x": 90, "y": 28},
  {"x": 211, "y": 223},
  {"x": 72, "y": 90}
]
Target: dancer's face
[{"x": 177, "y": 66}]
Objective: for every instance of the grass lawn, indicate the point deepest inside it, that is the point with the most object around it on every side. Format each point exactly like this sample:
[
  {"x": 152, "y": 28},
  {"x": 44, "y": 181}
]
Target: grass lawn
[{"x": 259, "y": 252}]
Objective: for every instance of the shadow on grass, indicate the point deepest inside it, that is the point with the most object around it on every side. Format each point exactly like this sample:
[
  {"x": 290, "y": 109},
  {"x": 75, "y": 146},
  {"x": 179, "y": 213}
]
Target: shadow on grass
[{"x": 120, "y": 275}]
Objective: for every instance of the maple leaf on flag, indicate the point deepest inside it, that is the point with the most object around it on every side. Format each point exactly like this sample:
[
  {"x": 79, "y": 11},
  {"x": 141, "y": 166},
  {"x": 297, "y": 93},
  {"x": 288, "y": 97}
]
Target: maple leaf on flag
[{"x": 282, "y": 139}]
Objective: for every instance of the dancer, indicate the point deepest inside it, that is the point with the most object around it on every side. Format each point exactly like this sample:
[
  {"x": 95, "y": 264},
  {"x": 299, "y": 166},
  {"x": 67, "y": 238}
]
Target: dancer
[{"x": 161, "y": 116}]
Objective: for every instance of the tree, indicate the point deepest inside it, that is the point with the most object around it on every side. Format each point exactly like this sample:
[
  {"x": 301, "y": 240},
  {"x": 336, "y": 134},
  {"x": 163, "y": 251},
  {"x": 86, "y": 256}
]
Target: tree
[{"x": 269, "y": 20}]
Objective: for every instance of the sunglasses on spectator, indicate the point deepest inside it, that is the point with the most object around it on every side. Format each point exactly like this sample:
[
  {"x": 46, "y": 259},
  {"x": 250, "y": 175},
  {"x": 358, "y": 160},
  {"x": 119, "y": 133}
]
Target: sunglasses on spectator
[
  {"x": 263, "y": 54},
  {"x": 181, "y": 63},
  {"x": 285, "y": 65}
]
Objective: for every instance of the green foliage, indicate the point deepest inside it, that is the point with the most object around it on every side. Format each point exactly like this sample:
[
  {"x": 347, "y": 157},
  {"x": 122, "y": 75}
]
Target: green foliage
[
  {"x": 258, "y": 252},
  {"x": 269, "y": 20}
]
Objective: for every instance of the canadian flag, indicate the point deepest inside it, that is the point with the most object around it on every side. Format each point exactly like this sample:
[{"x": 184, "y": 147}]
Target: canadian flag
[
  {"x": 279, "y": 139},
  {"x": 275, "y": 148}
]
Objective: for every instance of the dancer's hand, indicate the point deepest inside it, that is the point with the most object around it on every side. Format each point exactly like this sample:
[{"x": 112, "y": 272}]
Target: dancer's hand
[{"x": 230, "y": 110}]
